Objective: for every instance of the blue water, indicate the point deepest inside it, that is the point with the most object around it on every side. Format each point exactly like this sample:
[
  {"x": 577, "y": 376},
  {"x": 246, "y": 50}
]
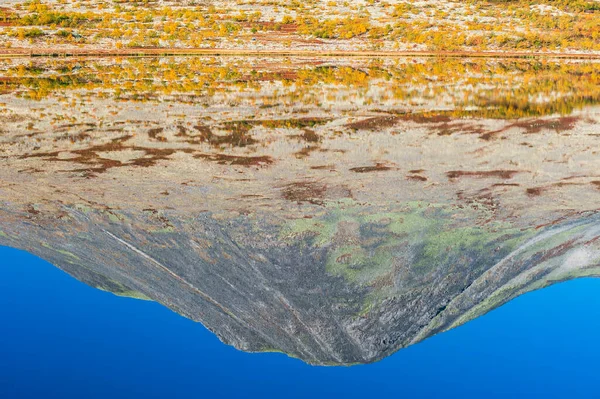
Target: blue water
[{"x": 62, "y": 339}]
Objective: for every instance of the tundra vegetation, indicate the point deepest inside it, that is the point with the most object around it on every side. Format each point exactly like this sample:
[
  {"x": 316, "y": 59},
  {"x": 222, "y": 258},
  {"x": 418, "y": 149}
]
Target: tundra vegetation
[{"x": 441, "y": 25}]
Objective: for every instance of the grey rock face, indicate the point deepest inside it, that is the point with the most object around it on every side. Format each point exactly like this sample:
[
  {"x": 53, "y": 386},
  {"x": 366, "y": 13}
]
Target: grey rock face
[{"x": 265, "y": 294}]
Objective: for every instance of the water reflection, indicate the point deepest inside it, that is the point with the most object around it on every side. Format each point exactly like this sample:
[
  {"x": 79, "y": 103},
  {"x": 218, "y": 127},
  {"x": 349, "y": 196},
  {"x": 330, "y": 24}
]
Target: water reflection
[{"x": 335, "y": 210}]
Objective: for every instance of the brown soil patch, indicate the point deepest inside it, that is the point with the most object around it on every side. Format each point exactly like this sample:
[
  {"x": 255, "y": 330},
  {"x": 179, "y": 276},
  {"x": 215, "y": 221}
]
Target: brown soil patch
[
  {"x": 535, "y": 191},
  {"x": 375, "y": 168},
  {"x": 238, "y": 136},
  {"x": 223, "y": 159},
  {"x": 416, "y": 178},
  {"x": 311, "y": 192},
  {"x": 154, "y": 134},
  {"x": 500, "y": 174},
  {"x": 310, "y": 136},
  {"x": 372, "y": 124},
  {"x": 426, "y": 119},
  {"x": 532, "y": 126},
  {"x": 306, "y": 151},
  {"x": 537, "y": 125},
  {"x": 96, "y": 164}
]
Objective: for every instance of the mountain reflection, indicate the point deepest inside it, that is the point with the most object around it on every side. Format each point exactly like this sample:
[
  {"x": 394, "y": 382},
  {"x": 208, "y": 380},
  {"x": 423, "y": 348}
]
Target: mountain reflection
[{"x": 334, "y": 210}]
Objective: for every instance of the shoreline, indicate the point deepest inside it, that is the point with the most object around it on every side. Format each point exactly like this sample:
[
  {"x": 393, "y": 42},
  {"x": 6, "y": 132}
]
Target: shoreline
[{"x": 145, "y": 52}]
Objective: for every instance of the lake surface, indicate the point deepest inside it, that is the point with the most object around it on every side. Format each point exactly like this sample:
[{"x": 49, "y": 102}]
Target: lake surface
[
  {"x": 61, "y": 338},
  {"x": 333, "y": 210}
]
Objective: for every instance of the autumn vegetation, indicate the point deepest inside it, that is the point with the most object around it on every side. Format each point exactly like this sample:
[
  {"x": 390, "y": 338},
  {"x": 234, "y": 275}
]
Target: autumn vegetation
[
  {"x": 442, "y": 25},
  {"x": 460, "y": 87}
]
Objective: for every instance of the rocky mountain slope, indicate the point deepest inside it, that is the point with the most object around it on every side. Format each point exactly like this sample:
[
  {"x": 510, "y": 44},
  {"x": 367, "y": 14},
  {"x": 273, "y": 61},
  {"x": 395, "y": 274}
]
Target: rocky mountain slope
[{"x": 334, "y": 210}]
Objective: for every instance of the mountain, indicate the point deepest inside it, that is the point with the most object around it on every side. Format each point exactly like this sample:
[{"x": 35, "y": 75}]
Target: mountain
[{"x": 334, "y": 210}]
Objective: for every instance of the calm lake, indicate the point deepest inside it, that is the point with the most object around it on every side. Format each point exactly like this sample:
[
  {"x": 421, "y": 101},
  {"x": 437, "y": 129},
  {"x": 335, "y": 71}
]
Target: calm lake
[{"x": 63, "y": 339}]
